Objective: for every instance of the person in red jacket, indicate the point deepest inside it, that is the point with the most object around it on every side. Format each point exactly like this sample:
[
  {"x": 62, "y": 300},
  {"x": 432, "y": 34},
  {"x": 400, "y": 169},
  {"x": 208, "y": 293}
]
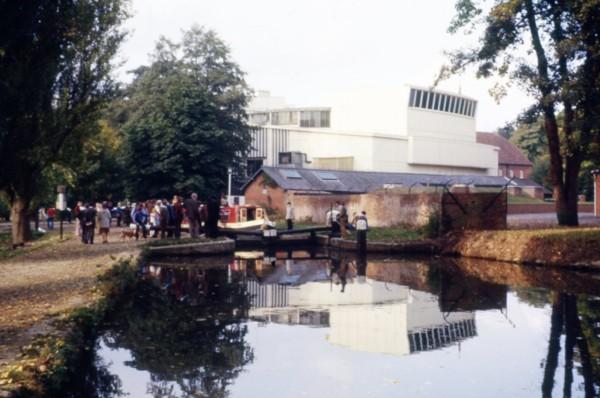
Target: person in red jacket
[{"x": 51, "y": 213}]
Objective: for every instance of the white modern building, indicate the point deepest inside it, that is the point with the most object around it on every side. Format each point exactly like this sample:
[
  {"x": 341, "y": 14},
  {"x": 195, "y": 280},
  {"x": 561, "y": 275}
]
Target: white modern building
[{"x": 404, "y": 129}]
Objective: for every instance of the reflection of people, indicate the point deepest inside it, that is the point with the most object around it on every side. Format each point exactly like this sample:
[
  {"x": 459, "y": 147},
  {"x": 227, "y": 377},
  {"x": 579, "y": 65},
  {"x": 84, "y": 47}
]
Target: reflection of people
[{"x": 289, "y": 215}]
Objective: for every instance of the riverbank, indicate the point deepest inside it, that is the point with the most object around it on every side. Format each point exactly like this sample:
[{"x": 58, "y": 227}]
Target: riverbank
[
  {"x": 565, "y": 247},
  {"x": 43, "y": 285}
]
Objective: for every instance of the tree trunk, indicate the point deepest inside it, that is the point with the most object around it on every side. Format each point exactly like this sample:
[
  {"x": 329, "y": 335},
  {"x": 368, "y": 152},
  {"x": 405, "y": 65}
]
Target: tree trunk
[
  {"x": 566, "y": 204},
  {"x": 19, "y": 219}
]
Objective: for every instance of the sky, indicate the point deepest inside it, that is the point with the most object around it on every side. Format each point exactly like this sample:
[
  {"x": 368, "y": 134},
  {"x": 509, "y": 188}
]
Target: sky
[{"x": 308, "y": 50}]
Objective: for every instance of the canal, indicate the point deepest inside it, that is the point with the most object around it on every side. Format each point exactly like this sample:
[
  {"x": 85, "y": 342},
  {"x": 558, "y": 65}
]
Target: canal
[{"x": 306, "y": 324}]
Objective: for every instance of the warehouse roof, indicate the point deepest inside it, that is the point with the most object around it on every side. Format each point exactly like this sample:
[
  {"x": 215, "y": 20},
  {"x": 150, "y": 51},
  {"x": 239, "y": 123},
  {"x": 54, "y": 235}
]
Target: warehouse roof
[{"x": 341, "y": 181}]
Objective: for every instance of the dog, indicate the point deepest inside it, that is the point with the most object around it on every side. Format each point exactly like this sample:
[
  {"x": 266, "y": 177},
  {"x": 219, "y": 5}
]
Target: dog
[{"x": 126, "y": 235}]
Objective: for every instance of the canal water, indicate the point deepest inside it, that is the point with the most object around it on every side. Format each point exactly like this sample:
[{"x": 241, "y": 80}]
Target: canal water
[{"x": 306, "y": 324}]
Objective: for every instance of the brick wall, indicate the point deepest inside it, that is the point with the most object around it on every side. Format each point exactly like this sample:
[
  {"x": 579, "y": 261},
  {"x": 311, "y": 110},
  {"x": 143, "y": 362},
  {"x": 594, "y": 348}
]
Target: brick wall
[
  {"x": 384, "y": 208},
  {"x": 461, "y": 210},
  {"x": 269, "y": 196}
]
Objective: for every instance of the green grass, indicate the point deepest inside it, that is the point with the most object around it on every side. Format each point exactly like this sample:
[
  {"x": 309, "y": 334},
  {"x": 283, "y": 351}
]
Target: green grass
[
  {"x": 524, "y": 200},
  {"x": 391, "y": 234}
]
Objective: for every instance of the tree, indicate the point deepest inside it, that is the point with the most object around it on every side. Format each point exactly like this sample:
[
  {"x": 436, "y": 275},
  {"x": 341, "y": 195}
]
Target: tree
[
  {"x": 98, "y": 168},
  {"x": 551, "y": 48},
  {"x": 186, "y": 117},
  {"x": 55, "y": 64}
]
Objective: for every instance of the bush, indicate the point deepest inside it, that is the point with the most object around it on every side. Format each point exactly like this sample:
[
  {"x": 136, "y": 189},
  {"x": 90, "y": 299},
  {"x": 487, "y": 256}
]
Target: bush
[{"x": 432, "y": 228}]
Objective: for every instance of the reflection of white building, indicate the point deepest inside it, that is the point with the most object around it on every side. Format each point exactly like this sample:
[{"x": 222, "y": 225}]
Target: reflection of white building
[
  {"x": 369, "y": 316},
  {"x": 409, "y": 129}
]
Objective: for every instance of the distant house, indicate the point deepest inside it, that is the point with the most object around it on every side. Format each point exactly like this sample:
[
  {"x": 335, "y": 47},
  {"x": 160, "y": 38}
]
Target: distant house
[{"x": 512, "y": 162}]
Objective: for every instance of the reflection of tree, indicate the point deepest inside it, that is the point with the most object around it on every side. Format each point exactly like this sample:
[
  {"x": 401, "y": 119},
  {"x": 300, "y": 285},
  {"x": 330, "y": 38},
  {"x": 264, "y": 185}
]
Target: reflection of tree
[
  {"x": 534, "y": 296},
  {"x": 199, "y": 347},
  {"x": 581, "y": 334},
  {"x": 88, "y": 376}
]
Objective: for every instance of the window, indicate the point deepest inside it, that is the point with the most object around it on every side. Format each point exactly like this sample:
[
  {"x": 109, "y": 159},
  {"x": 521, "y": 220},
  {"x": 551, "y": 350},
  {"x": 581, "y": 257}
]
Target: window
[
  {"x": 413, "y": 94},
  {"x": 512, "y": 174},
  {"x": 500, "y": 173},
  {"x": 326, "y": 176},
  {"x": 424, "y": 102},
  {"x": 436, "y": 104},
  {"x": 259, "y": 118},
  {"x": 284, "y": 118},
  {"x": 441, "y": 102},
  {"x": 521, "y": 174},
  {"x": 446, "y": 103},
  {"x": 417, "y": 98},
  {"x": 290, "y": 174},
  {"x": 315, "y": 119}
]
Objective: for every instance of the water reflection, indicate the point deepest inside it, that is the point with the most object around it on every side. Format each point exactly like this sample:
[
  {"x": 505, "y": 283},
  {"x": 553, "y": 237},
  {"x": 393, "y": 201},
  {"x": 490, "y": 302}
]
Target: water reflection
[
  {"x": 362, "y": 313},
  {"x": 188, "y": 329},
  {"x": 184, "y": 326}
]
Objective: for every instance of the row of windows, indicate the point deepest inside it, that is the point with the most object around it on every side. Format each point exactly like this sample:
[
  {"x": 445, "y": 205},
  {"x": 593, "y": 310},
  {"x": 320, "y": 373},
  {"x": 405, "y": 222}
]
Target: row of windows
[
  {"x": 441, "y": 102},
  {"x": 290, "y": 118},
  {"x": 284, "y": 118},
  {"x": 314, "y": 119}
]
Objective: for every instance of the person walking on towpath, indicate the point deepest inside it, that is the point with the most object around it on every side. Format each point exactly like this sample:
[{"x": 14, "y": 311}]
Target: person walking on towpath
[
  {"x": 103, "y": 218},
  {"x": 51, "y": 214},
  {"x": 89, "y": 224},
  {"x": 289, "y": 215}
]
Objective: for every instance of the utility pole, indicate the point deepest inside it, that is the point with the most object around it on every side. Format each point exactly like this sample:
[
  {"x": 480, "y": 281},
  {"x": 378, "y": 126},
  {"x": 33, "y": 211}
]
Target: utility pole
[{"x": 229, "y": 173}]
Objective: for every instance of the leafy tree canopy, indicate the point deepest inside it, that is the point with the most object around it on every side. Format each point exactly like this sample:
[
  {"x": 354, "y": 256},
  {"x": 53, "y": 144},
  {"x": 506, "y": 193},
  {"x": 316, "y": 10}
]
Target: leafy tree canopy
[
  {"x": 184, "y": 118},
  {"x": 551, "y": 48},
  {"x": 55, "y": 77}
]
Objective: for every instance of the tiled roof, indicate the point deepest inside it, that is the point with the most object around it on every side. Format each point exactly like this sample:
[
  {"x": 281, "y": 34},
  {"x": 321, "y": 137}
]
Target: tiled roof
[
  {"x": 308, "y": 180},
  {"x": 509, "y": 153}
]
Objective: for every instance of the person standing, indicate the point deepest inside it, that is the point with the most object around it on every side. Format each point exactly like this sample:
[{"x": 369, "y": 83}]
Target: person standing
[
  {"x": 178, "y": 216},
  {"x": 343, "y": 219},
  {"x": 140, "y": 217},
  {"x": 289, "y": 215},
  {"x": 103, "y": 218},
  {"x": 89, "y": 224},
  {"x": 50, "y": 218},
  {"x": 192, "y": 210},
  {"x": 362, "y": 225},
  {"x": 77, "y": 213},
  {"x": 163, "y": 215}
]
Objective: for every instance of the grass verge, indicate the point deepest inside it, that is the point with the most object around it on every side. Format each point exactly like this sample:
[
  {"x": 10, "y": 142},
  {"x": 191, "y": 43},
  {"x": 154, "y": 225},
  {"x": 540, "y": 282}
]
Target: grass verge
[
  {"x": 38, "y": 241},
  {"x": 557, "y": 246},
  {"x": 46, "y": 365}
]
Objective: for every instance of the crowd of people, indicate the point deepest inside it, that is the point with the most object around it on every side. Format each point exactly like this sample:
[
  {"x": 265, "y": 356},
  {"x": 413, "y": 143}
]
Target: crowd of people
[
  {"x": 340, "y": 222},
  {"x": 161, "y": 218}
]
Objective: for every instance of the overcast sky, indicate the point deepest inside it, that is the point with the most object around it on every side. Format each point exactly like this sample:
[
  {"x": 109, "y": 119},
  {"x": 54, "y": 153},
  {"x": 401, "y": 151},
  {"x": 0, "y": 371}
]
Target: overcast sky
[{"x": 306, "y": 50}]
